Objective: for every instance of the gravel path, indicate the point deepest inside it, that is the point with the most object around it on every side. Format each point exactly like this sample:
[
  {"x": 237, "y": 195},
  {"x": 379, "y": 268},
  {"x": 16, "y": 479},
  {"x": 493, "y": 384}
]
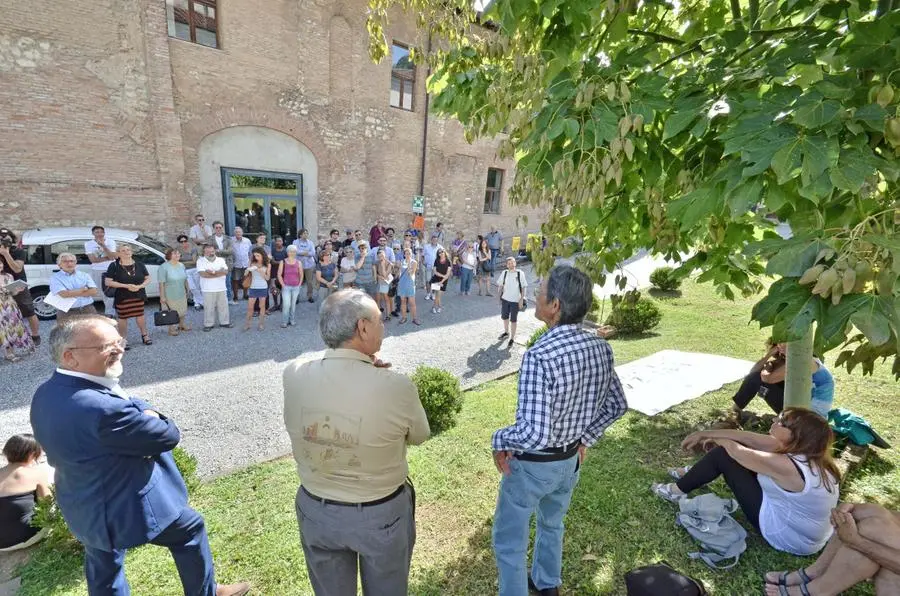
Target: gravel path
[{"x": 223, "y": 388}]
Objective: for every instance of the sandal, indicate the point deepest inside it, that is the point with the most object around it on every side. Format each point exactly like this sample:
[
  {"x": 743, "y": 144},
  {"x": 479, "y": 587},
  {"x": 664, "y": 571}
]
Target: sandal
[
  {"x": 417, "y": 322},
  {"x": 664, "y": 491},
  {"x": 247, "y": 327},
  {"x": 401, "y": 321},
  {"x": 783, "y": 590},
  {"x": 12, "y": 358},
  {"x": 783, "y": 576},
  {"x": 146, "y": 339},
  {"x": 678, "y": 473}
]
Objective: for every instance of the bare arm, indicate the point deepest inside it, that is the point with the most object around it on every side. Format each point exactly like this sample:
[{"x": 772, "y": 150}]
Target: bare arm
[
  {"x": 776, "y": 465},
  {"x": 281, "y": 273},
  {"x": 774, "y": 376},
  {"x": 753, "y": 440}
]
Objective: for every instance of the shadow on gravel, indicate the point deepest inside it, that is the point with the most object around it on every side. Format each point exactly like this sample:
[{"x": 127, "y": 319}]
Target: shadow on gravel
[{"x": 487, "y": 359}]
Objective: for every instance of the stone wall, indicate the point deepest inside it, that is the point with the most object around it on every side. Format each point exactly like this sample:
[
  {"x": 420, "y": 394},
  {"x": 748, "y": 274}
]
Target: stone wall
[{"x": 103, "y": 117}]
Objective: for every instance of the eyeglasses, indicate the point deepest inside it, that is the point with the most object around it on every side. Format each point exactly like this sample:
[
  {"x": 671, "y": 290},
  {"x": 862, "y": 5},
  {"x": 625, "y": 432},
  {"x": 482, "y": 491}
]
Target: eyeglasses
[
  {"x": 120, "y": 344},
  {"x": 201, "y": 219}
]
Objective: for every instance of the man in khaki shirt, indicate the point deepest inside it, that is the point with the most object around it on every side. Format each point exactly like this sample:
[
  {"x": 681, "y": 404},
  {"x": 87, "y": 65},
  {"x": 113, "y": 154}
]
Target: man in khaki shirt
[{"x": 350, "y": 420}]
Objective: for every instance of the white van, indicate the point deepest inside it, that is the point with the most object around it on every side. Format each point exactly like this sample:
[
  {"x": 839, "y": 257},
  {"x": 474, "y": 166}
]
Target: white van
[{"x": 44, "y": 245}]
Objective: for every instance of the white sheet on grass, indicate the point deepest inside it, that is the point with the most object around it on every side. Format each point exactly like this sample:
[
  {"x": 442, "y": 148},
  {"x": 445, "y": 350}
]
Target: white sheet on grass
[{"x": 667, "y": 378}]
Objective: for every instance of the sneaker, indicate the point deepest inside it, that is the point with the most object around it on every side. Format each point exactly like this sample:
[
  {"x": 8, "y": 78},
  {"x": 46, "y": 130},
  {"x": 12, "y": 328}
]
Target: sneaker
[
  {"x": 284, "y": 325},
  {"x": 664, "y": 491},
  {"x": 503, "y": 335},
  {"x": 228, "y": 326},
  {"x": 36, "y": 339},
  {"x": 310, "y": 300},
  {"x": 545, "y": 592},
  {"x": 207, "y": 328},
  {"x": 440, "y": 309},
  {"x": 509, "y": 344},
  {"x": 233, "y": 302},
  {"x": 678, "y": 473},
  {"x": 434, "y": 310}
]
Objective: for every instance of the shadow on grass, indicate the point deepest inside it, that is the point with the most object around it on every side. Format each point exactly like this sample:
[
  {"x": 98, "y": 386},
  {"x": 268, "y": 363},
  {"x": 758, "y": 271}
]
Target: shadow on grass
[
  {"x": 634, "y": 337},
  {"x": 51, "y": 570},
  {"x": 471, "y": 572}
]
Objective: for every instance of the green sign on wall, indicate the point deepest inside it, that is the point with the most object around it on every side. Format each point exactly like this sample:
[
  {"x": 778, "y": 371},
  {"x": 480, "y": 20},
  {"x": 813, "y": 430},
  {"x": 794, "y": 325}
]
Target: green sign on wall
[{"x": 418, "y": 204}]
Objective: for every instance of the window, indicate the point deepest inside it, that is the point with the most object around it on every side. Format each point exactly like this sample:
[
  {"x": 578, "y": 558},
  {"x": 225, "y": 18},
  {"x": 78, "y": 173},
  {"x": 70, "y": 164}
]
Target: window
[
  {"x": 144, "y": 255},
  {"x": 403, "y": 78},
  {"x": 76, "y": 247},
  {"x": 492, "y": 192},
  {"x": 193, "y": 20}
]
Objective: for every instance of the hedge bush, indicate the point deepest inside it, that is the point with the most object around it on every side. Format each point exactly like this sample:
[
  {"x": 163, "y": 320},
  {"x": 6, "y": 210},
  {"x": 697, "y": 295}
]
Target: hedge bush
[
  {"x": 632, "y": 314},
  {"x": 440, "y": 395},
  {"x": 536, "y": 336},
  {"x": 665, "y": 279}
]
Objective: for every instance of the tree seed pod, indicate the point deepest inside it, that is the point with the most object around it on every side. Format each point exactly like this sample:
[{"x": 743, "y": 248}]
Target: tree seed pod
[
  {"x": 624, "y": 125},
  {"x": 629, "y": 149},
  {"x": 811, "y": 275},
  {"x": 837, "y": 290},
  {"x": 610, "y": 91},
  {"x": 825, "y": 280},
  {"x": 885, "y": 282},
  {"x": 624, "y": 92},
  {"x": 849, "y": 280},
  {"x": 885, "y": 95},
  {"x": 615, "y": 146},
  {"x": 637, "y": 125},
  {"x": 873, "y": 93},
  {"x": 824, "y": 254}
]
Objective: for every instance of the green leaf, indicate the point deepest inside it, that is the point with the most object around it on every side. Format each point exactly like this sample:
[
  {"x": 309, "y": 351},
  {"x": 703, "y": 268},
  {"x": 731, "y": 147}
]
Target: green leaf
[
  {"x": 787, "y": 258},
  {"x": 789, "y": 308},
  {"x": 831, "y": 330},
  {"x": 786, "y": 162},
  {"x": 819, "y": 153},
  {"x": 852, "y": 169},
  {"x": 556, "y": 129},
  {"x": 872, "y": 115},
  {"x": 873, "y": 323},
  {"x": 694, "y": 206},
  {"x": 744, "y": 197},
  {"x": 572, "y": 128},
  {"x": 678, "y": 121},
  {"x": 605, "y": 124},
  {"x": 776, "y": 197},
  {"x": 872, "y": 45},
  {"x": 618, "y": 27},
  {"x": 814, "y": 111}
]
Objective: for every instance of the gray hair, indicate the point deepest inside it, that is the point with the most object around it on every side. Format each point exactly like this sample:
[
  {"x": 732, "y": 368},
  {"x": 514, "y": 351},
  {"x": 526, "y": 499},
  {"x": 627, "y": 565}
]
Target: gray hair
[
  {"x": 63, "y": 334},
  {"x": 340, "y": 314},
  {"x": 65, "y": 255},
  {"x": 573, "y": 289},
  {"x": 292, "y": 249}
]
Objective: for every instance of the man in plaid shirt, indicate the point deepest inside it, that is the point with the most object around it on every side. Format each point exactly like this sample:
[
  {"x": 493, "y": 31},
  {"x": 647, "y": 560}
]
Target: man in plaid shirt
[{"x": 568, "y": 395}]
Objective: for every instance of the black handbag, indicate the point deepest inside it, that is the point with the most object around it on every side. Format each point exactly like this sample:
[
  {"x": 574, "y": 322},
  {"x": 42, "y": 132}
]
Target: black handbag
[
  {"x": 164, "y": 318},
  {"x": 661, "y": 580},
  {"x": 108, "y": 291}
]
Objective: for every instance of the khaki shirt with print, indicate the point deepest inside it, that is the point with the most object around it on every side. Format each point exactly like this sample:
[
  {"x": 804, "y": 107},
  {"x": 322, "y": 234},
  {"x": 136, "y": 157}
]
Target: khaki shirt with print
[{"x": 349, "y": 424}]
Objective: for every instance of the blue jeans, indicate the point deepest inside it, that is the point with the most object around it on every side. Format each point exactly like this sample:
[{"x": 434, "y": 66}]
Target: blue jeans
[
  {"x": 289, "y": 297},
  {"x": 186, "y": 540},
  {"x": 541, "y": 487},
  {"x": 495, "y": 253},
  {"x": 465, "y": 279}
]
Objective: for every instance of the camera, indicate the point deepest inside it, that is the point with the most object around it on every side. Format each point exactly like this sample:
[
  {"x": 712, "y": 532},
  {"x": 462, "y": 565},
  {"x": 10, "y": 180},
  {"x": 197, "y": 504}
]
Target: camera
[{"x": 6, "y": 242}]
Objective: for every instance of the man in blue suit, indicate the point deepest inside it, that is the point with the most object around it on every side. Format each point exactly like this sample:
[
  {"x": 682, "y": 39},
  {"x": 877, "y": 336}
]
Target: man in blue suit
[{"x": 116, "y": 481}]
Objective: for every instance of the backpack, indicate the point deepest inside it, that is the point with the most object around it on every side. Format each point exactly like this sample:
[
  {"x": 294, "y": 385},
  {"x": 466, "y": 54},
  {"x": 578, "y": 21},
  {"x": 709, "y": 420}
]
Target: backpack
[
  {"x": 521, "y": 292},
  {"x": 661, "y": 580},
  {"x": 706, "y": 518}
]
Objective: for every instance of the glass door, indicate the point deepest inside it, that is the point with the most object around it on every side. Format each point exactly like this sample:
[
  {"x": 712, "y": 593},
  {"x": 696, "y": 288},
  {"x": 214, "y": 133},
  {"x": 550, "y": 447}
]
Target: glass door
[{"x": 263, "y": 203}]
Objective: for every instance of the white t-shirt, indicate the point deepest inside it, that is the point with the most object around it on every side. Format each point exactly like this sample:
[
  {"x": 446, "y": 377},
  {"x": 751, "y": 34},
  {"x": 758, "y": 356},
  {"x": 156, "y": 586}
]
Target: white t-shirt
[
  {"x": 469, "y": 260},
  {"x": 510, "y": 285},
  {"x": 212, "y": 284},
  {"x": 347, "y": 269},
  {"x": 92, "y": 248},
  {"x": 241, "y": 250},
  {"x": 196, "y": 233}
]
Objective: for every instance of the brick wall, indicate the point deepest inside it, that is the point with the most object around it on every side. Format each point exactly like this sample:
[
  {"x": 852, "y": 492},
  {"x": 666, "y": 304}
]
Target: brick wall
[{"x": 102, "y": 116}]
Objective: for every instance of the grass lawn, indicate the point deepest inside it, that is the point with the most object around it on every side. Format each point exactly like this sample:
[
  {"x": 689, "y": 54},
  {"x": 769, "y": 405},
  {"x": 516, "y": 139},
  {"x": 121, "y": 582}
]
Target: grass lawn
[{"x": 614, "y": 525}]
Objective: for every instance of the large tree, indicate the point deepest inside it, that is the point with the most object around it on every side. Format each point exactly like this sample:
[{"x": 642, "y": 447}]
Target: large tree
[{"x": 693, "y": 128}]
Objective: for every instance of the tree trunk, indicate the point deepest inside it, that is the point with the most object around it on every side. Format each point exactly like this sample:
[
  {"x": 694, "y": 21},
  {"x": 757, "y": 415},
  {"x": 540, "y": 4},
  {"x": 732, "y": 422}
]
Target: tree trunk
[{"x": 798, "y": 376}]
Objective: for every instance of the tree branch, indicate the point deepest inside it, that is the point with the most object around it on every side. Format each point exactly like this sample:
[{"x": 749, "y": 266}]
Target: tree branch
[
  {"x": 754, "y": 13},
  {"x": 693, "y": 48},
  {"x": 766, "y": 33},
  {"x": 736, "y": 11},
  {"x": 657, "y": 36}
]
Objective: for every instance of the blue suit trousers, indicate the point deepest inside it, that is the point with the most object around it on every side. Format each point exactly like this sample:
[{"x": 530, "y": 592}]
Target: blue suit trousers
[{"x": 185, "y": 538}]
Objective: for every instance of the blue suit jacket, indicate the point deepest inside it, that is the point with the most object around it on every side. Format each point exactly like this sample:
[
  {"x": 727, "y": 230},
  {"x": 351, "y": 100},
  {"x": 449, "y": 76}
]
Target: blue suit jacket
[{"x": 116, "y": 481}]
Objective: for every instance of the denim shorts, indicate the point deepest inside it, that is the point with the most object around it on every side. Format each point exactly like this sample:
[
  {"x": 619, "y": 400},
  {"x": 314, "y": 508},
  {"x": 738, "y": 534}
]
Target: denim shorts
[{"x": 258, "y": 292}]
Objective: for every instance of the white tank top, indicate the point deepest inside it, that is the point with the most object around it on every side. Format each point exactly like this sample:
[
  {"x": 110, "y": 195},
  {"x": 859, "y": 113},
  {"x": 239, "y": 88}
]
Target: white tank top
[{"x": 797, "y": 522}]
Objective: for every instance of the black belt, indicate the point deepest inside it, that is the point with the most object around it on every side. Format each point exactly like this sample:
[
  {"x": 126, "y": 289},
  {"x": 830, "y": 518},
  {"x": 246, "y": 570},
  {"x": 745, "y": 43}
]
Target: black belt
[
  {"x": 346, "y": 504},
  {"x": 551, "y": 453}
]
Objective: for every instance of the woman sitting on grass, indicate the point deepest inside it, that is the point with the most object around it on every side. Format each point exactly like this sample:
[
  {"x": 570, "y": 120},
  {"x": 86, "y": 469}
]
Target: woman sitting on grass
[
  {"x": 786, "y": 482},
  {"x": 21, "y": 485},
  {"x": 866, "y": 544}
]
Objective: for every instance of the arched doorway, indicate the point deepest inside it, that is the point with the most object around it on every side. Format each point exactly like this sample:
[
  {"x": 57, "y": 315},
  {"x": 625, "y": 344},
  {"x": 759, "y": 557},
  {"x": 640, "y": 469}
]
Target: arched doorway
[{"x": 259, "y": 178}]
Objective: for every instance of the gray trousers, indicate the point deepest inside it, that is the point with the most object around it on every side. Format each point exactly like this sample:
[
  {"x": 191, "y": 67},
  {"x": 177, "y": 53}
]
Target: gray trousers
[{"x": 377, "y": 541}]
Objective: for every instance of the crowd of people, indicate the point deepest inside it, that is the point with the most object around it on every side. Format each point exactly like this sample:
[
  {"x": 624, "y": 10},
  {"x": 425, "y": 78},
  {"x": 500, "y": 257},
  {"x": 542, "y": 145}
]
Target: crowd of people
[{"x": 213, "y": 270}]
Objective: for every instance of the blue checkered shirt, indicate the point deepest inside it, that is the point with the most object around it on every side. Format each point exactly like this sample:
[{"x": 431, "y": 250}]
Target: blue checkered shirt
[{"x": 568, "y": 391}]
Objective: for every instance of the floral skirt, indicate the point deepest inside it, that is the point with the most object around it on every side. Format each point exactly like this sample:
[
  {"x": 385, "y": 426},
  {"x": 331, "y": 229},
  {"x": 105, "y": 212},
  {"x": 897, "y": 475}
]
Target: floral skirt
[{"x": 13, "y": 333}]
